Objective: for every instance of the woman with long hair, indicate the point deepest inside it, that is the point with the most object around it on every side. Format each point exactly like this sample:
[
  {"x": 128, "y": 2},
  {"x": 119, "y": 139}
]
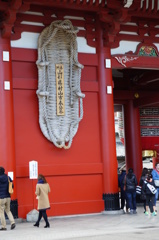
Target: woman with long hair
[
  {"x": 42, "y": 191},
  {"x": 144, "y": 175}
]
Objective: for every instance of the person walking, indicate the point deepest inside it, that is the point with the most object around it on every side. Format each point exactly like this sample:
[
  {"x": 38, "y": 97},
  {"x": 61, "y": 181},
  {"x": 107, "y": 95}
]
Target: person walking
[
  {"x": 155, "y": 176},
  {"x": 144, "y": 175},
  {"x": 150, "y": 191},
  {"x": 130, "y": 187},
  {"x": 5, "y": 200},
  {"x": 42, "y": 191},
  {"x": 121, "y": 178}
]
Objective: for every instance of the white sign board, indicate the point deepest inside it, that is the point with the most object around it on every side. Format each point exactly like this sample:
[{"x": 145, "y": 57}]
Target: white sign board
[
  {"x": 10, "y": 174},
  {"x": 6, "y": 85},
  {"x": 107, "y": 63},
  {"x": 33, "y": 169},
  {"x": 109, "y": 89},
  {"x": 5, "y": 56}
]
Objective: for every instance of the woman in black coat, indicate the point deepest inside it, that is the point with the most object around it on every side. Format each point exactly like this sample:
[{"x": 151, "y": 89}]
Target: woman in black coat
[
  {"x": 150, "y": 191},
  {"x": 144, "y": 175}
]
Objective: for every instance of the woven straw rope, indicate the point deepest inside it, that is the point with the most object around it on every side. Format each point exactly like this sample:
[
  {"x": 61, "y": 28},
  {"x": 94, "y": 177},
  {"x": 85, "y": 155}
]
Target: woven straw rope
[{"x": 57, "y": 45}]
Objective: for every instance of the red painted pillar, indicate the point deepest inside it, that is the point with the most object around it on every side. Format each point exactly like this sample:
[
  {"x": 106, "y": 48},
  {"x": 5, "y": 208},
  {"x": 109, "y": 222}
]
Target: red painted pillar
[
  {"x": 133, "y": 138},
  {"x": 7, "y": 145},
  {"x": 107, "y": 126}
]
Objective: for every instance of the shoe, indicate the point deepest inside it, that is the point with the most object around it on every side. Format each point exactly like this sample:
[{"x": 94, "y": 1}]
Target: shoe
[
  {"x": 36, "y": 225},
  {"x": 131, "y": 211},
  {"x": 3, "y": 229},
  {"x": 12, "y": 226},
  {"x": 123, "y": 211},
  {"x": 134, "y": 212},
  {"x": 146, "y": 213},
  {"x": 47, "y": 225},
  {"x": 154, "y": 214},
  {"x": 128, "y": 210}
]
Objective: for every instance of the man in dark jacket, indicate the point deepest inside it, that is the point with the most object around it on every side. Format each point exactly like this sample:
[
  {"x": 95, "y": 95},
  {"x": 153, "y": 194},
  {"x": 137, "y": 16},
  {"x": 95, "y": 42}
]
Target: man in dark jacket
[{"x": 5, "y": 200}]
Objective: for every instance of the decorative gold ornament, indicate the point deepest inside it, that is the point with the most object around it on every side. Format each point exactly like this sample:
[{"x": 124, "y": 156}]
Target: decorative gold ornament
[
  {"x": 149, "y": 153},
  {"x": 136, "y": 95}
]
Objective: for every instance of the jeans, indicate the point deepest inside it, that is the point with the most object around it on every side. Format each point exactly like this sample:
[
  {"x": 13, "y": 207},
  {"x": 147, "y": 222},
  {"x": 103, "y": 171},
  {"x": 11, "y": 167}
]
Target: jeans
[
  {"x": 156, "y": 195},
  {"x": 123, "y": 199},
  {"x": 131, "y": 198}
]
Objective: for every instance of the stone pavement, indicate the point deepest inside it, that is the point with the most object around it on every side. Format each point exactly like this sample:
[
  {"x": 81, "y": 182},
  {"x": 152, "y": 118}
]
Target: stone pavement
[{"x": 92, "y": 226}]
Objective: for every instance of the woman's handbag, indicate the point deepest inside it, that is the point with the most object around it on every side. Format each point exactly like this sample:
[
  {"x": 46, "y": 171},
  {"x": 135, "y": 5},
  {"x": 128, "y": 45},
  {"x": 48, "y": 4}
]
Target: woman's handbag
[
  {"x": 10, "y": 186},
  {"x": 152, "y": 189}
]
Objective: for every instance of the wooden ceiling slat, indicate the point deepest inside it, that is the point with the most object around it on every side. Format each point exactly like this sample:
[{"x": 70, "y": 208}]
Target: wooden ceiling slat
[
  {"x": 36, "y": 29},
  {"x": 40, "y": 19},
  {"x": 112, "y": 22}
]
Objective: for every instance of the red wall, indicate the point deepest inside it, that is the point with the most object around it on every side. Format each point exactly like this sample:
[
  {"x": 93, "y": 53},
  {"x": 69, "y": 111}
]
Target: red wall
[{"x": 74, "y": 175}]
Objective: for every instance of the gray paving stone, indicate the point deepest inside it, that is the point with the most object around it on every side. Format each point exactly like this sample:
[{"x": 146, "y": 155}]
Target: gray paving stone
[{"x": 88, "y": 227}]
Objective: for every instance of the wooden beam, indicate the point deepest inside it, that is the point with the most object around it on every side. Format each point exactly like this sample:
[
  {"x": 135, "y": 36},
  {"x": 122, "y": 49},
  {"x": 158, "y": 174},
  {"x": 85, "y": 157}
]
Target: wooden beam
[
  {"x": 123, "y": 95},
  {"x": 80, "y": 5},
  {"x": 16, "y": 4},
  {"x": 147, "y": 101},
  {"x": 134, "y": 61},
  {"x": 146, "y": 98},
  {"x": 3, "y": 6}
]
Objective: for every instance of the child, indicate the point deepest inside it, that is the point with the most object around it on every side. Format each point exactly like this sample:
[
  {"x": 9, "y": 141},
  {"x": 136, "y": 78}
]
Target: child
[{"x": 150, "y": 191}]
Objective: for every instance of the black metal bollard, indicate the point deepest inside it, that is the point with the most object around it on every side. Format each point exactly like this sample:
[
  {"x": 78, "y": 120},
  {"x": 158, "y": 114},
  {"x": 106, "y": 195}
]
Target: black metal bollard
[{"x": 111, "y": 201}]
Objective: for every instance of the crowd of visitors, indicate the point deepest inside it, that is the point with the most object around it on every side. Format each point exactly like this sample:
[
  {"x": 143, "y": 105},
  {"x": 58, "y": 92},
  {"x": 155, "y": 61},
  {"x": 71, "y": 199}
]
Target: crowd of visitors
[{"x": 147, "y": 190}]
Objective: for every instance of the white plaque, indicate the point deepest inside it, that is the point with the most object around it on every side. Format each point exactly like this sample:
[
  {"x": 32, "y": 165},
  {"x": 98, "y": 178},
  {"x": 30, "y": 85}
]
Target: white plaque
[
  {"x": 5, "y": 56},
  {"x": 107, "y": 63},
  {"x": 33, "y": 169},
  {"x": 6, "y": 85},
  {"x": 10, "y": 174},
  {"x": 109, "y": 89}
]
